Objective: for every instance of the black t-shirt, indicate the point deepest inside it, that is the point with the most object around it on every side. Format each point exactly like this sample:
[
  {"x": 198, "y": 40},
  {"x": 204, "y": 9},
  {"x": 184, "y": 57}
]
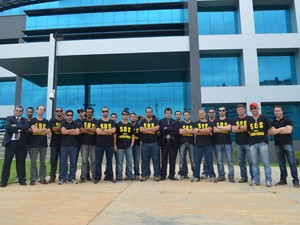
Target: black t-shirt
[
  {"x": 189, "y": 138},
  {"x": 137, "y": 134},
  {"x": 78, "y": 137},
  {"x": 282, "y": 139},
  {"x": 90, "y": 138},
  {"x": 203, "y": 140},
  {"x": 35, "y": 139},
  {"x": 56, "y": 136},
  {"x": 124, "y": 133},
  {"x": 258, "y": 129},
  {"x": 149, "y": 138},
  {"x": 67, "y": 139},
  {"x": 224, "y": 137},
  {"x": 105, "y": 140},
  {"x": 243, "y": 137}
]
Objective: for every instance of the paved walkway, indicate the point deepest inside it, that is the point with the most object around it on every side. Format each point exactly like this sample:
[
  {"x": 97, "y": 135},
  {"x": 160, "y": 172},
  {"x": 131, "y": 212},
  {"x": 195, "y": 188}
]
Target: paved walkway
[{"x": 165, "y": 202}]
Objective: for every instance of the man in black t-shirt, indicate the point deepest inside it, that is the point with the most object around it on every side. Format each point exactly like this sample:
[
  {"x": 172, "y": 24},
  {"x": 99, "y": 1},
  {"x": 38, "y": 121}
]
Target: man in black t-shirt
[
  {"x": 259, "y": 128},
  {"x": 222, "y": 127},
  {"x": 136, "y": 149},
  {"x": 123, "y": 143},
  {"x": 186, "y": 131},
  {"x": 105, "y": 129},
  {"x": 203, "y": 147},
  {"x": 239, "y": 127},
  {"x": 88, "y": 142},
  {"x": 150, "y": 148},
  {"x": 55, "y": 142},
  {"x": 284, "y": 148},
  {"x": 70, "y": 132},
  {"x": 38, "y": 145}
]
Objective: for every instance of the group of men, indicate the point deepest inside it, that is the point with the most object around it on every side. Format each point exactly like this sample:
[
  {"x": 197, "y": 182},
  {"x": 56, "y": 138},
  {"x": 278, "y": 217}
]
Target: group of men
[{"x": 145, "y": 139}]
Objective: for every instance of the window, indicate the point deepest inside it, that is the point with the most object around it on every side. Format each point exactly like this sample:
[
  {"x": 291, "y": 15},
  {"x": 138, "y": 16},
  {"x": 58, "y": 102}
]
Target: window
[
  {"x": 272, "y": 19},
  {"x": 220, "y": 71},
  {"x": 277, "y": 69}
]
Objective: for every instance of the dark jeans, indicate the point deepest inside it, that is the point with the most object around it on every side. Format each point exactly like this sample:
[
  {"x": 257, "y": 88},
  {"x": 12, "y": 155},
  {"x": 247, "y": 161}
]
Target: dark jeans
[
  {"x": 150, "y": 150},
  {"x": 136, "y": 153},
  {"x": 168, "y": 151},
  {"x": 54, "y": 154},
  {"x": 284, "y": 152},
  {"x": 65, "y": 152},
  {"x": 99, "y": 158},
  {"x": 199, "y": 152},
  {"x": 12, "y": 149}
]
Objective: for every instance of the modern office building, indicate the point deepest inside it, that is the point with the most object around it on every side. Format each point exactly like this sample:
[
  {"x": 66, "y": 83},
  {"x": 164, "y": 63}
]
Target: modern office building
[{"x": 182, "y": 54}]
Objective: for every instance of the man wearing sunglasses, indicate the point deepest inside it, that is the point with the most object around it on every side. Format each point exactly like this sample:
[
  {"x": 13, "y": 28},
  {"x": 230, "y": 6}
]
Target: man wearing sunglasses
[
  {"x": 15, "y": 142},
  {"x": 105, "y": 129},
  {"x": 259, "y": 128},
  {"x": 150, "y": 148},
  {"x": 123, "y": 143},
  {"x": 70, "y": 132},
  {"x": 221, "y": 130},
  {"x": 55, "y": 142}
]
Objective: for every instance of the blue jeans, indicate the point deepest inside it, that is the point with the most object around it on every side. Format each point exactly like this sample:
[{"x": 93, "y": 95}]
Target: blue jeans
[
  {"x": 136, "y": 153},
  {"x": 260, "y": 150},
  {"x": 99, "y": 157},
  {"x": 284, "y": 152},
  {"x": 184, "y": 147},
  {"x": 65, "y": 152},
  {"x": 205, "y": 170},
  {"x": 228, "y": 151},
  {"x": 150, "y": 150},
  {"x": 199, "y": 152},
  {"x": 243, "y": 152},
  {"x": 128, "y": 154}
]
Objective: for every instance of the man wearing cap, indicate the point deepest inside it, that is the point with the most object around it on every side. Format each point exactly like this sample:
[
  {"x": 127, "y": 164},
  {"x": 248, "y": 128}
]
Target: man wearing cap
[
  {"x": 221, "y": 130},
  {"x": 123, "y": 143},
  {"x": 259, "y": 128},
  {"x": 284, "y": 148},
  {"x": 242, "y": 142}
]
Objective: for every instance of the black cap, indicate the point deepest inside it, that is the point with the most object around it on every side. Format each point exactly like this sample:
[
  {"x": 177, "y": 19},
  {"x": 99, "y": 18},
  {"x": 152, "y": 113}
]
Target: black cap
[
  {"x": 80, "y": 110},
  {"x": 125, "y": 111}
]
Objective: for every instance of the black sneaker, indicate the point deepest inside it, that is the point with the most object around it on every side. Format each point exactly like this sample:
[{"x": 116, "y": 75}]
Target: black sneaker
[
  {"x": 88, "y": 178},
  {"x": 296, "y": 184},
  {"x": 231, "y": 179},
  {"x": 96, "y": 181},
  {"x": 281, "y": 182},
  {"x": 51, "y": 180},
  {"x": 82, "y": 180},
  {"x": 221, "y": 178}
]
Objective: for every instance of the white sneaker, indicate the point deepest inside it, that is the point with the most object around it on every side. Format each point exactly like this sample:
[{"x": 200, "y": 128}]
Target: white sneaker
[{"x": 178, "y": 177}]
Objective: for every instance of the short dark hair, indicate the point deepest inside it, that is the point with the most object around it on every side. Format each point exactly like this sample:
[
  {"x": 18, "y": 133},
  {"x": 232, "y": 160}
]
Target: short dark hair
[
  {"x": 114, "y": 114},
  {"x": 132, "y": 114},
  {"x": 222, "y": 107},
  {"x": 240, "y": 106},
  {"x": 148, "y": 108},
  {"x": 70, "y": 110},
  {"x": 90, "y": 108},
  {"x": 168, "y": 109},
  {"x": 40, "y": 106},
  {"x": 19, "y": 106},
  {"x": 186, "y": 111},
  {"x": 177, "y": 112},
  {"x": 278, "y": 106},
  {"x": 30, "y": 108}
]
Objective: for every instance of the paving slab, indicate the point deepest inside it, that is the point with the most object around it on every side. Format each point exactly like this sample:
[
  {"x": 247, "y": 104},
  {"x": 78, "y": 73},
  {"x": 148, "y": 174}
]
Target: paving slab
[{"x": 150, "y": 202}]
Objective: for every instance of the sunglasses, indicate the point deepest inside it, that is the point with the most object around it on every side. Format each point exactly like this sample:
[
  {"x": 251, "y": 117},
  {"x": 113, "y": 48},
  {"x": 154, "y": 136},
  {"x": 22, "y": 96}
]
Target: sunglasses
[
  {"x": 253, "y": 108},
  {"x": 211, "y": 112},
  {"x": 69, "y": 115},
  {"x": 58, "y": 110},
  {"x": 105, "y": 111},
  {"x": 222, "y": 110},
  {"x": 125, "y": 114},
  {"x": 148, "y": 111},
  {"x": 17, "y": 110}
]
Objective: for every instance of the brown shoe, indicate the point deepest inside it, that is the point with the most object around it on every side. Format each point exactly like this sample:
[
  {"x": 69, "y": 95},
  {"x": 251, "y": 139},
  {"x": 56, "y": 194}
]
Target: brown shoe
[
  {"x": 243, "y": 180},
  {"x": 296, "y": 184},
  {"x": 44, "y": 182},
  {"x": 221, "y": 178}
]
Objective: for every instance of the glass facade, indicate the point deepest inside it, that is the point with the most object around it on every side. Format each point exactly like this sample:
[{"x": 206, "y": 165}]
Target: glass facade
[
  {"x": 105, "y": 19},
  {"x": 7, "y": 92},
  {"x": 76, "y": 3},
  {"x": 217, "y": 71},
  {"x": 272, "y": 19},
  {"x": 291, "y": 110},
  {"x": 277, "y": 69},
  {"x": 217, "y": 21}
]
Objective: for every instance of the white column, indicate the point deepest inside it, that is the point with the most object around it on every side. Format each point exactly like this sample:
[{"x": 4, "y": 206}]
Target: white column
[{"x": 51, "y": 71}]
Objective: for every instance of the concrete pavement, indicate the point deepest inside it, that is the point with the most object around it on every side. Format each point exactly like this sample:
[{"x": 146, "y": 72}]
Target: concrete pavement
[{"x": 165, "y": 202}]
